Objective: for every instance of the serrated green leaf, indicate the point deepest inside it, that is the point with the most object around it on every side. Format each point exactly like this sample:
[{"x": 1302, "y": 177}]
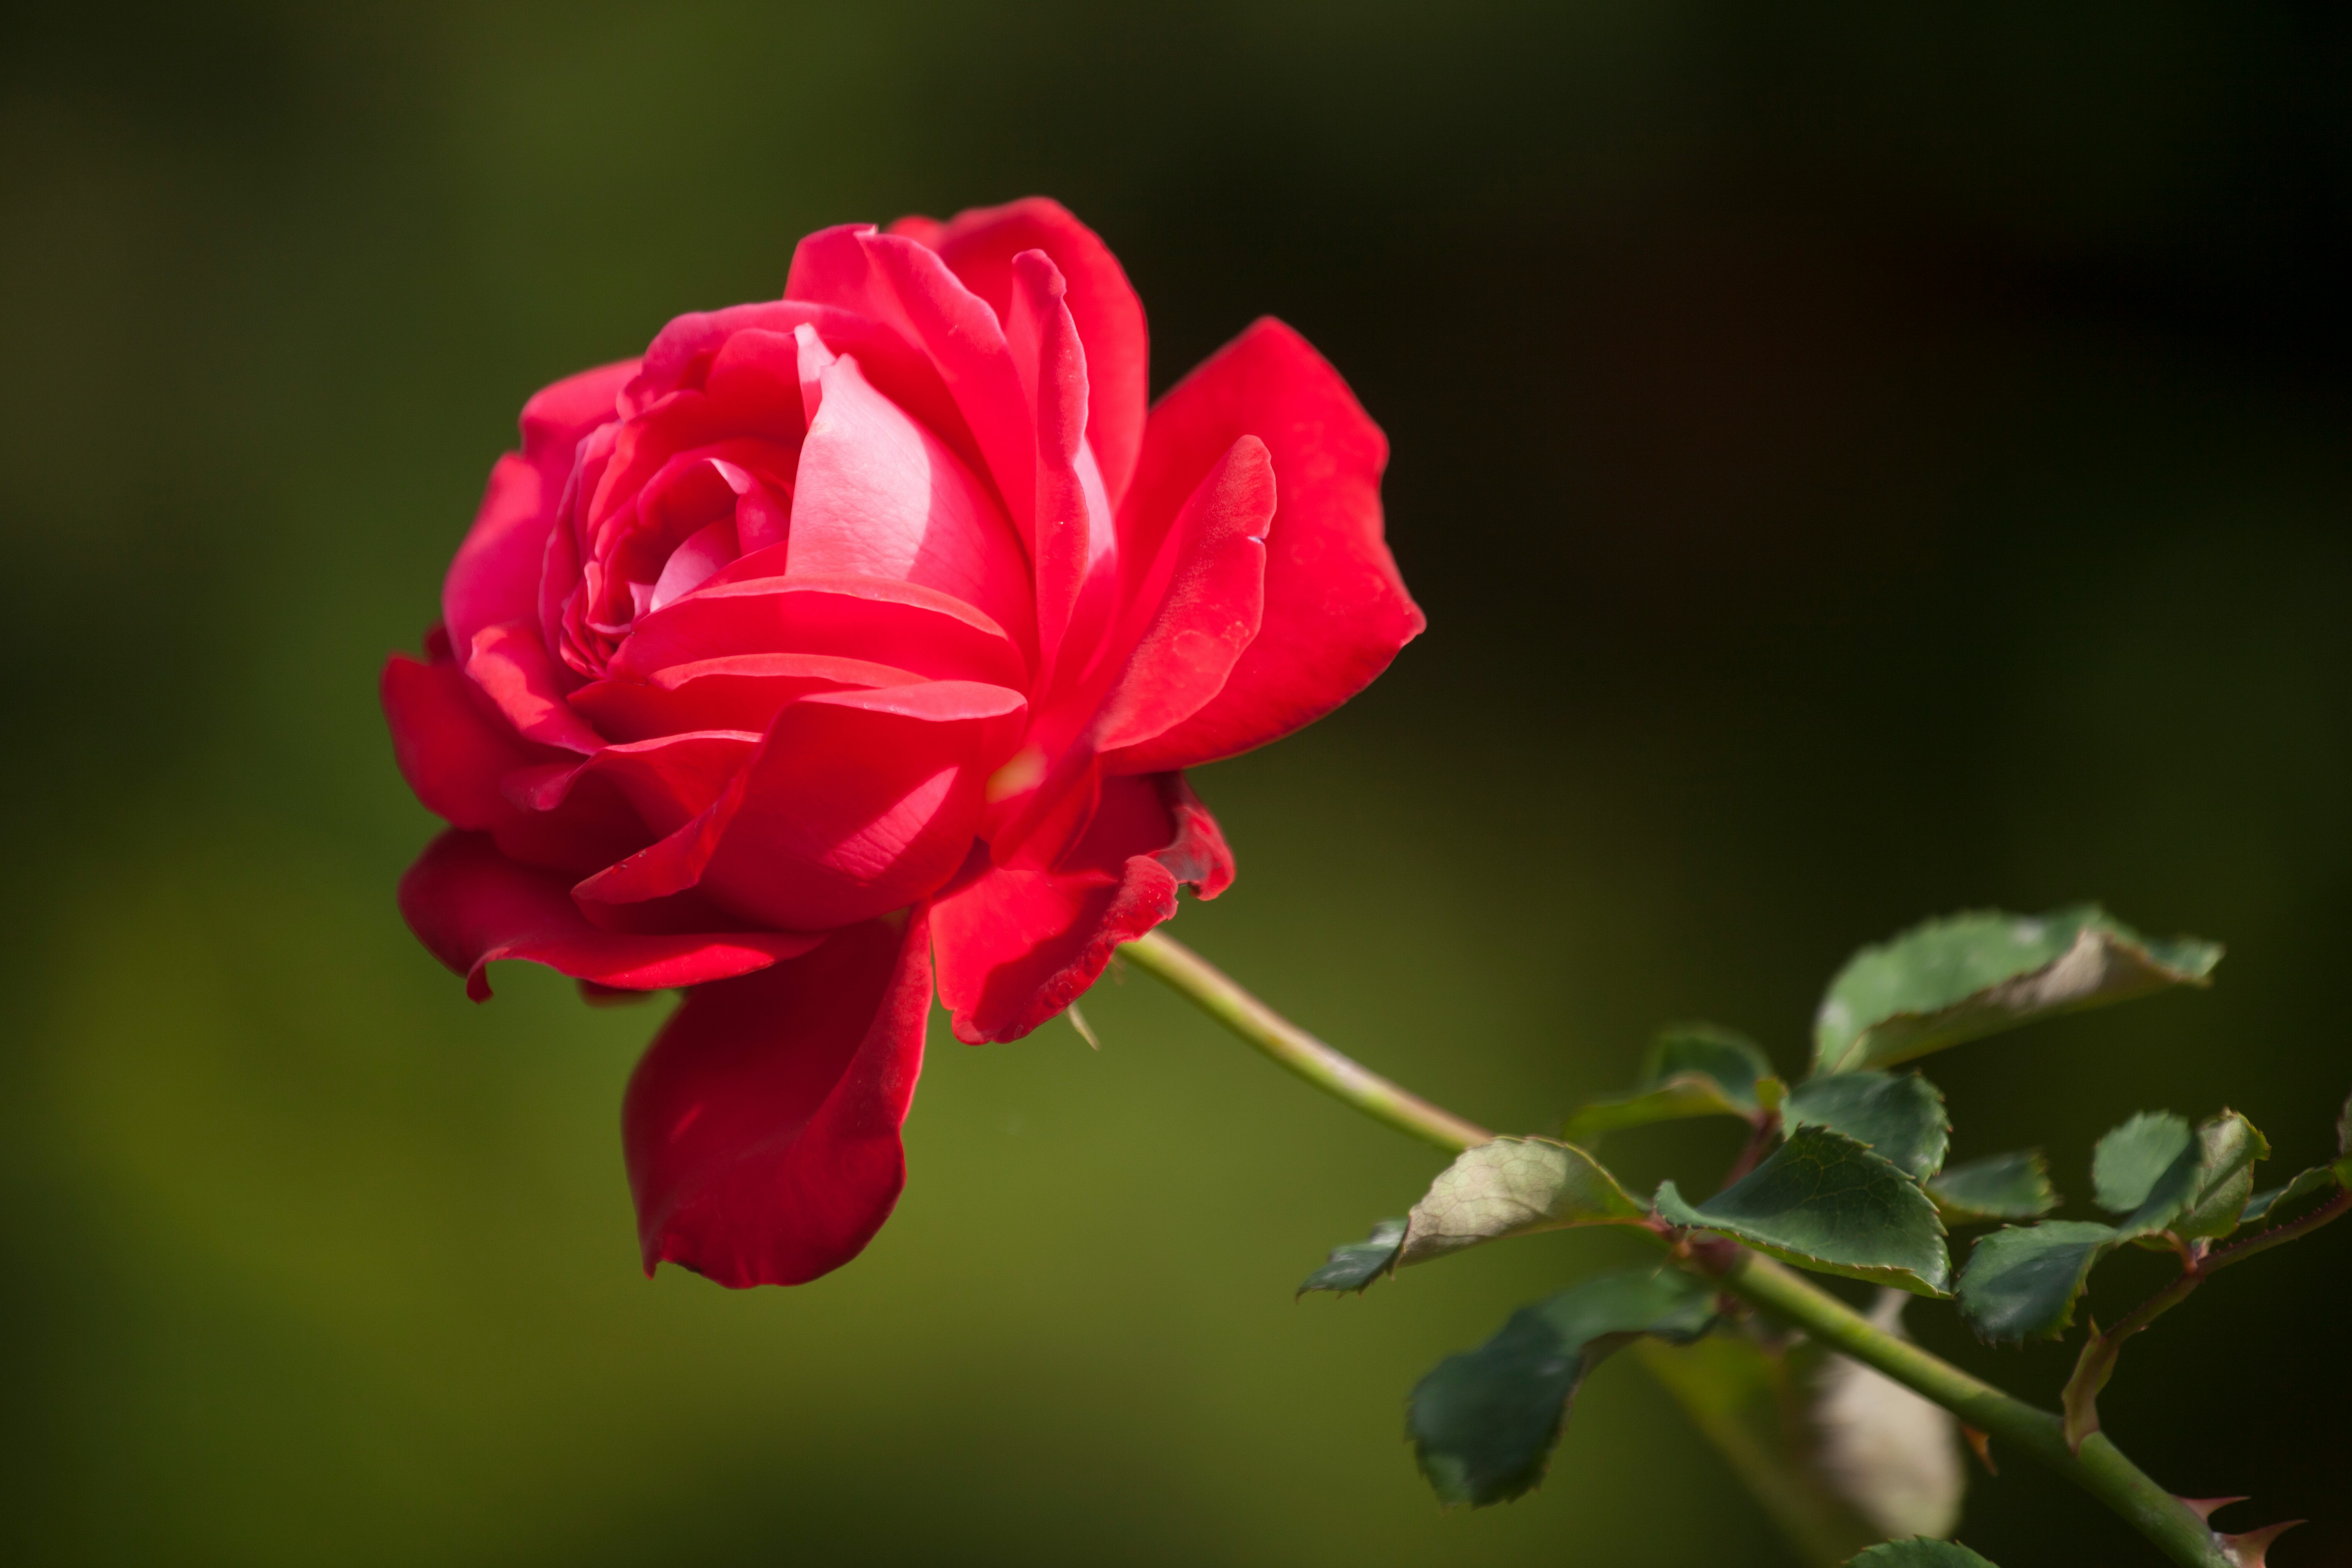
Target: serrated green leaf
[
  {"x": 1976, "y": 973},
  {"x": 1513, "y": 1186},
  {"x": 2025, "y": 1280},
  {"x": 2015, "y": 1186},
  {"x": 2260, "y": 1207},
  {"x": 1900, "y": 1115},
  {"x": 1824, "y": 1201},
  {"x": 1920, "y": 1551},
  {"x": 1483, "y": 1422},
  {"x": 2227, "y": 1148},
  {"x": 1693, "y": 1070},
  {"x": 1354, "y": 1264},
  {"x": 2131, "y": 1159}
]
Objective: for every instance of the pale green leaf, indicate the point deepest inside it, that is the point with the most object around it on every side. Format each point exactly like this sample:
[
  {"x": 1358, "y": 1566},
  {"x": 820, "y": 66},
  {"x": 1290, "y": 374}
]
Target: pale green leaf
[
  {"x": 2281, "y": 1200},
  {"x": 1824, "y": 1201},
  {"x": 1900, "y": 1115},
  {"x": 1977, "y": 974},
  {"x": 1752, "y": 1405},
  {"x": 1483, "y": 1422},
  {"x": 1920, "y": 1551},
  {"x": 2015, "y": 1186},
  {"x": 2022, "y": 1280},
  {"x": 1354, "y": 1264},
  {"x": 2227, "y": 1148},
  {"x": 2131, "y": 1159},
  {"x": 1693, "y": 1070},
  {"x": 1513, "y": 1186}
]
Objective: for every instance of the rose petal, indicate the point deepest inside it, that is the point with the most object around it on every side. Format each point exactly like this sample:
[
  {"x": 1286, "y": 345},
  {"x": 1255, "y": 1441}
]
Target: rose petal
[
  {"x": 512, "y": 667},
  {"x": 1071, "y": 533},
  {"x": 495, "y": 578},
  {"x": 667, "y": 781},
  {"x": 450, "y": 750},
  {"x": 469, "y": 905},
  {"x": 871, "y": 618},
  {"x": 856, "y": 802},
  {"x": 1199, "y": 607},
  {"x": 880, "y": 496},
  {"x": 905, "y": 286},
  {"x": 744, "y": 691},
  {"x": 979, "y": 246},
  {"x": 762, "y": 1127},
  {"x": 1336, "y": 611},
  {"x": 1015, "y": 946}
]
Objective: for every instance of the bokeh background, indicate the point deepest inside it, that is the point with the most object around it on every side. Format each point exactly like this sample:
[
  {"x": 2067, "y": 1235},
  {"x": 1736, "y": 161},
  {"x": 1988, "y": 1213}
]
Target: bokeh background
[{"x": 1857, "y": 464}]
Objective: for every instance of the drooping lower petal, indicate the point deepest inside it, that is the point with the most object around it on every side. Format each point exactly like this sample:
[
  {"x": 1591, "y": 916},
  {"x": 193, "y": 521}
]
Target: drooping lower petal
[
  {"x": 470, "y": 904},
  {"x": 762, "y": 1128},
  {"x": 1336, "y": 610},
  {"x": 1017, "y": 945}
]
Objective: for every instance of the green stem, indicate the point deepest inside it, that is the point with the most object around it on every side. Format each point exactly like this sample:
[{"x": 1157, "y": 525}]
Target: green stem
[
  {"x": 2100, "y": 1469},
  {"x": 2333, "y": 1208},
  {"x": 1218, "y": 994}
]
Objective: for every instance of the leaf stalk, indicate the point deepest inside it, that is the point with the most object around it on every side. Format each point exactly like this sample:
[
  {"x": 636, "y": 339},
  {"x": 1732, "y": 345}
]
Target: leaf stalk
[{"x": 1224, "y": 999}]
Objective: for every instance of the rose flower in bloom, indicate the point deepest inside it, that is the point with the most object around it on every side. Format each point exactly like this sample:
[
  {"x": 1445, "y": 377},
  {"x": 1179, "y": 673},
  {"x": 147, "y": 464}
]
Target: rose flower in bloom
[{"x": 858, "y": 640}]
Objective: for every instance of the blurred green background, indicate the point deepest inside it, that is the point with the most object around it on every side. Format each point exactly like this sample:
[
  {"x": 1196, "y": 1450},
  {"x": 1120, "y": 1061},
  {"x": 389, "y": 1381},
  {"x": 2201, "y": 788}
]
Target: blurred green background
[{"x": 1856, "y": 465}]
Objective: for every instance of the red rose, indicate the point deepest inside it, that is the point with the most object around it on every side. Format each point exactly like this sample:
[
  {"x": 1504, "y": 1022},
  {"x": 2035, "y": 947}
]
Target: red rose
[{"x": 858, "y": 632}]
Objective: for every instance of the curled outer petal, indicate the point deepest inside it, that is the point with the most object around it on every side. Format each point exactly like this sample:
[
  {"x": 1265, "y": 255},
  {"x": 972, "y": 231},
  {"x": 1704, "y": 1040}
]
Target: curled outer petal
[
  {"x": 451, "y": 747},
  {"x": 1016, "y": 946},
  {"x": 762, "y": 1128},
  {"x": 470, "y": 904},
  {"x": 1336, "y": 610}
]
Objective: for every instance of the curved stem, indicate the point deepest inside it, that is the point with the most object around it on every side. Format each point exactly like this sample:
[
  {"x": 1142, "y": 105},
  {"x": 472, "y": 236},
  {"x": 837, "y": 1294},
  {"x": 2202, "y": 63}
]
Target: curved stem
[
  {"x": 1218, "y": 994},
  {"x": 2100, "y": 1469}
]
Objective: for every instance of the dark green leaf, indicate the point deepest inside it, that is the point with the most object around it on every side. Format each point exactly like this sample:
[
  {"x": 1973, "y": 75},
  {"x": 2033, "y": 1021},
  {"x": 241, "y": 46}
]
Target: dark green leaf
[
  {"x": 1826, "y": 1203},
  {"x": 1729, "y": 1057},
  {"x": 2260, "y": 1207},
  {"x": 1513, "y": 1186},
  {"x": 1693, "y": 1070},
  {"x": 1483, "y": 1422},
  {"x": 2227, "y": 1148},
  {"x": 2023, "y": 1281},
  {"x": 1920, "y": 1551},
  {"x": 1900, "y": 1115},
  {"x": 1968, "y": 975},
  {"x": 1354, "y": 1264},
  {"x": 2015, "y": 1186},
  {"x": 2130, "y": 1160}
]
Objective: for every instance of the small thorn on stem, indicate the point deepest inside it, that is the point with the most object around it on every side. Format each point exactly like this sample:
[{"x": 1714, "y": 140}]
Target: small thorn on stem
[
  {"x": 1078, "y": 1022},
  {"x": 2205, "y": 1507},
  {"x": 2246, "y": 1551},
  {"x": 1980, "y": 1444}
]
